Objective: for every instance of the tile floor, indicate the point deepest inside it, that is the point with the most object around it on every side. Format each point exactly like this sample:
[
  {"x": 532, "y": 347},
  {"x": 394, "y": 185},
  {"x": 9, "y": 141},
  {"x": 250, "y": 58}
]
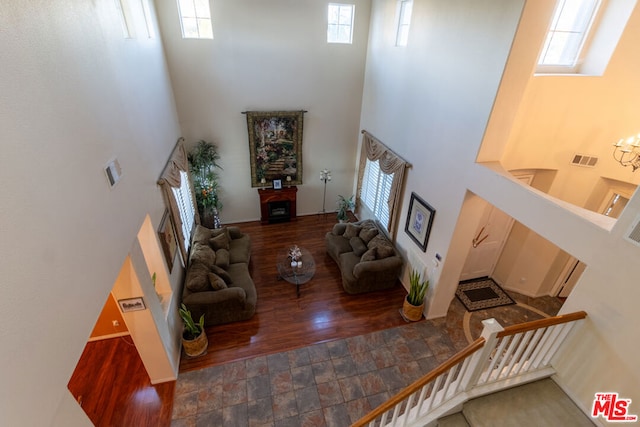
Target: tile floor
[{"x": 337, "y": 382}]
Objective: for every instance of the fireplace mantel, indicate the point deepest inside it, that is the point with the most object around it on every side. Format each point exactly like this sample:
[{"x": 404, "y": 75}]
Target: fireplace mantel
[{"x": 269, "y": 195}]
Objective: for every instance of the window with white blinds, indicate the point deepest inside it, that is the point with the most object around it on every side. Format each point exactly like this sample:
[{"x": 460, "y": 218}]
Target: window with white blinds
[
  {"x": 185, "y": 206},
  {"x": 376, "y": 189}
]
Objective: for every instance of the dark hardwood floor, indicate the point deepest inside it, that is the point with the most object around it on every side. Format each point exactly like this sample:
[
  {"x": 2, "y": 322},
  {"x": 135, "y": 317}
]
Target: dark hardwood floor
[
  {"x": 113, "y": 388},
  {"x": 110, "y": 379},
  {"x": 323, "y": 312}
]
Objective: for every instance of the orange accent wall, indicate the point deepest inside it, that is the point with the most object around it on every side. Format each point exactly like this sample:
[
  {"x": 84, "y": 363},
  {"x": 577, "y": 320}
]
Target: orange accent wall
[{"x": 104, "y": 325}]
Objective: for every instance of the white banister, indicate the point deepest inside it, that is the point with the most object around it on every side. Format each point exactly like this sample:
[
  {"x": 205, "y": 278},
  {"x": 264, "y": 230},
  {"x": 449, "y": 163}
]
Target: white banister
[{"x": 499, "y": 359}]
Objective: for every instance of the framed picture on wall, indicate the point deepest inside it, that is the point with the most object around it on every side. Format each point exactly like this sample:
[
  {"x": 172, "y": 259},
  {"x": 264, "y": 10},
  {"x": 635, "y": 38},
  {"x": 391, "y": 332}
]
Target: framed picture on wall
[
  {"x": 277, "y": 184},
  {"x": 275, "y": 145},
  {"x": 419, "y": 221},
  {"x": 168, "y": 241},
  {"x": 131, "y": 304}
]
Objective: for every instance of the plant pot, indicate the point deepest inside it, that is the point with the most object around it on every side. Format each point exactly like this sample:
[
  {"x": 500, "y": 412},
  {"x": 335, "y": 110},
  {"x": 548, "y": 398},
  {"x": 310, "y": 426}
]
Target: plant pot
[
  {"x": 412, "y": 312},
  {"x": 210, "y": 218},
  {"x": 197, "y": 346}
]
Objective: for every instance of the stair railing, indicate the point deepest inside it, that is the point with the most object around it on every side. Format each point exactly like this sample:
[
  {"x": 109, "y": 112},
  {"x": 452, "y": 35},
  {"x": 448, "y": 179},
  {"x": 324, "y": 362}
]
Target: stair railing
[{"x": 501, "y": 358}]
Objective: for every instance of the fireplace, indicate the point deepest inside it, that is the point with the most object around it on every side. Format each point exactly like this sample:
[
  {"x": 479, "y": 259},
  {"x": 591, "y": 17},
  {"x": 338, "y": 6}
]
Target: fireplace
[
  {"x": 277, "y": 205},
  {"x": 279, "y": 211}
]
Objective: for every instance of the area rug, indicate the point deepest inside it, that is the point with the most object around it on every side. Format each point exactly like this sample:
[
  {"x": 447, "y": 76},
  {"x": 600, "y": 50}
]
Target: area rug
[{"x": 482, "y": 293}]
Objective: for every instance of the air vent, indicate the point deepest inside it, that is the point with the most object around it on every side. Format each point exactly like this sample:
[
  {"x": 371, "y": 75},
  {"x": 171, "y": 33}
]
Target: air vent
[
  {"x": 113, "y": 172},
  {"x": 633, "y": 235},
  {"x": 583, "y": 160}
]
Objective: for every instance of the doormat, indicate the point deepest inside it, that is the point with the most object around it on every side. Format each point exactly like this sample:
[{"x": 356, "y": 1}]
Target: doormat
[{"x": 482, "y": 293}]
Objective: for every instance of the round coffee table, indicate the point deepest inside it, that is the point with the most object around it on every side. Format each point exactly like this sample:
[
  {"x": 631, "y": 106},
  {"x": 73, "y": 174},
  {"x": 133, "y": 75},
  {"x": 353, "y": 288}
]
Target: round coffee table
[{"x": 298, "y": 271}]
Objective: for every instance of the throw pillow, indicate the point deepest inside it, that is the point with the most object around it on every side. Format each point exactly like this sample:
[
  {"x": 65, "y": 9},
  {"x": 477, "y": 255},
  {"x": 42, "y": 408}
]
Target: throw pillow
[
  {"x": 221, "y": 241},
  {"x": 197, "y": 279},
  {"x": 217, "y": 283},
  {"x": 202, "y": 234},
  {"x": 369, "y": 255},
  {"x": 368, "y": 233},
  {"x": 222, "y": 273},
  {"x": 202, "y": 253},
  {"x": 352, "y": 231},
  {"x": 383, "y": 247},
  {"x": 358, "y": 246},
  {"x": 222, "y": 258}
]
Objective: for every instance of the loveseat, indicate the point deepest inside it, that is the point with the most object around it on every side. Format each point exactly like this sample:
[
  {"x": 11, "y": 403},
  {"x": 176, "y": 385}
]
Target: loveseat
[
  {"x": 217, "y": 282},
  {"x": 367, "y": 259}
]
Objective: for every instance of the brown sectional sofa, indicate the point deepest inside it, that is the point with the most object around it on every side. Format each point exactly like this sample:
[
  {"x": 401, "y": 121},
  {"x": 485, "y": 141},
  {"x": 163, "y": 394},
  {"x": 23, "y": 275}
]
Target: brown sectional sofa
[
  {"x": 217, "y": 282},
  {"x": 367, "y": 259}
]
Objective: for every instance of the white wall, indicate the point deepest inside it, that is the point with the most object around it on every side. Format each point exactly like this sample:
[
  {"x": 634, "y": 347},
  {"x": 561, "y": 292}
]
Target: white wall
[
  {"x": 430, "y": 102},
  {"x": 269, "y": 56},
  {"x": 74, "y": 94},
  {"x": 431, "y": 106}
]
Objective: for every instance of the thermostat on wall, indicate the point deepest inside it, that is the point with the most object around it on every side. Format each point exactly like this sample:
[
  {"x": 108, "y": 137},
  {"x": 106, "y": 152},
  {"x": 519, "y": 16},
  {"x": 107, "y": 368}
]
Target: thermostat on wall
[{"x": 113, "y": 172}]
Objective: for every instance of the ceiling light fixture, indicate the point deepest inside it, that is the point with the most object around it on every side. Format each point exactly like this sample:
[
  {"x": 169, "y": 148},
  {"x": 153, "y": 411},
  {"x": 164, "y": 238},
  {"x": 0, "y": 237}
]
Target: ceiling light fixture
[{"x": 627, "y": 152}]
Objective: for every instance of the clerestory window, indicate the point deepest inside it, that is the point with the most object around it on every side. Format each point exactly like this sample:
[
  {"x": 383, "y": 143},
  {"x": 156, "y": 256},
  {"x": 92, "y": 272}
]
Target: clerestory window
[
  {"x": 404, "y": 20},
  {"x": 340, "y": 23},
  {"x": 567, "y": 40},
  {"x": 195, "y": 19}
]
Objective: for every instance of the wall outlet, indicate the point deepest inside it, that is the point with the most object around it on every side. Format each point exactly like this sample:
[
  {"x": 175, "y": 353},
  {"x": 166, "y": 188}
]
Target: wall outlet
[{"x": 115, "y": 323}]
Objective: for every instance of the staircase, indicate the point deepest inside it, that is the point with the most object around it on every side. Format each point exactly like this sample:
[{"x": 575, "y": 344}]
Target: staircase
[
  {"x": 473, "y": 380},
  {"x": 538, "y": 404}
]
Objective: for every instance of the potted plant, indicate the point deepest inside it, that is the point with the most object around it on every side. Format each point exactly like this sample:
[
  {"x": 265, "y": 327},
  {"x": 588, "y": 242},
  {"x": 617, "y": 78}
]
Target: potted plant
[
  {"x": 344, "y": 205},
  {"x": 204, "y": 162},
  {"x": 194, "y": 338},
  {"x": 414, "y": 302}
]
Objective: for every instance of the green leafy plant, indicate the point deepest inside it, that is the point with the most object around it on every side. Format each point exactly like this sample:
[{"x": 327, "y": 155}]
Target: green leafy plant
[
  {"x": 344, "y": 205},
  {"x": 191, "y": 329},
  {"x": 204, "y": 162},
  {"x": 417, "y": 288}
]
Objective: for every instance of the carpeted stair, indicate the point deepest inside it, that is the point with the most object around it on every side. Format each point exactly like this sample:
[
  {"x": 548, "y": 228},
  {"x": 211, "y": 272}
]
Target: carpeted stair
[{"x": 538, "y": 404}]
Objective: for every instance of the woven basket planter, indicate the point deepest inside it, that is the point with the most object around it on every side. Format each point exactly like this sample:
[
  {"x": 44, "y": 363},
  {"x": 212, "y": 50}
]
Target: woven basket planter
[
  {"x": 412, "y": 312},
  {"x": 196, "y": 347}
]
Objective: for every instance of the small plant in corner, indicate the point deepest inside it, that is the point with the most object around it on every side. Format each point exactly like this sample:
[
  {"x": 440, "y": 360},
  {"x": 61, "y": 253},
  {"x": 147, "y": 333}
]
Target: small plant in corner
[
  {"x": 414, "y": 302},
  {"x": 192, "y": 330},
  {"x": 344, "y": 205},
  {"x": 417, "y": 288},
  {"x": 194, "y": 340}
]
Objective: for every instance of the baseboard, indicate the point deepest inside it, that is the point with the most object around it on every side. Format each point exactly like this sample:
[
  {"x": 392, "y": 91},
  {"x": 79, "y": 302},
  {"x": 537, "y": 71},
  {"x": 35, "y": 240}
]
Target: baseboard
[{"x": 106, "y": 337}]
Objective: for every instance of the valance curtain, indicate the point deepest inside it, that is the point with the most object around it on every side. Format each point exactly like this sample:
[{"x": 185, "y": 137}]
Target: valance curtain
[
  {"x": 390, "y": 163},
  {"x": 170, "y": 177}
]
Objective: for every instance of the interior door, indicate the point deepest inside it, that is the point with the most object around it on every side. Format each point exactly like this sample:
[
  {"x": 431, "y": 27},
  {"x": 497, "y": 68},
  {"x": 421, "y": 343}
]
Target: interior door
[
  {"x": 612, "y": 206},
  {"x": 487, "y": 243},
  {"x": 489, "y": 240}
]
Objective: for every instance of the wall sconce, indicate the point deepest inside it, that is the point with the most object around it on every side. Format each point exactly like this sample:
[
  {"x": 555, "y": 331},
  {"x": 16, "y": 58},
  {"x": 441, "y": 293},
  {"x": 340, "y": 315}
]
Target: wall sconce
[
  {"x": 627, "y": 152},
  {"x": 325, "y": 175}
]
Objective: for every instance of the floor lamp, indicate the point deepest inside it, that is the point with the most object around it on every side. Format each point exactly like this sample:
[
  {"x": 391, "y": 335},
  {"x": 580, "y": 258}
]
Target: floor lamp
[{"x": 325, "y": 175}]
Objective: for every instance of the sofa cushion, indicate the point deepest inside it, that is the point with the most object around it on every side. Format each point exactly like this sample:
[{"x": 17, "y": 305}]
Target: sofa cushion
[
  {"x": 240, "y": 250},
  {"x": 352, "y": 230},
  {"x": 222, "y": 273},
  {"x": 220, "y": 241},
  {"x": 197, "y": 279},
  {"x": 367, "y": 233},
  {"x": 222, "y": 258},
  {"x": 216, "y": 282},
  {"x": 202, "y": 253},
  {"x": 339, "y": 229},
  {"x": 384, "y": 248},
  {"x": 369, "y": 255},
  {"x": 201, "y": 235},
  {"x": 358, "y": 246}
]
